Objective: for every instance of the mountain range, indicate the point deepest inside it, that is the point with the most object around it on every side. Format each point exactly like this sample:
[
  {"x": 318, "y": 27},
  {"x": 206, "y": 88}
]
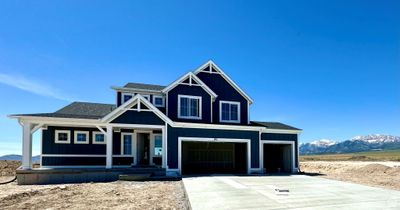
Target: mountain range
[
  {"x": 35, "y": 159},
  {"x": 356, "y": 144}
]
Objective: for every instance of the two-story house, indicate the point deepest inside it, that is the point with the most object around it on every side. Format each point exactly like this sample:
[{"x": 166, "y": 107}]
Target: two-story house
[{"x": 199, "y": 123}]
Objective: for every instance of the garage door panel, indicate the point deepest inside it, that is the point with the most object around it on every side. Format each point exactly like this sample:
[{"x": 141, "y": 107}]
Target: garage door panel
[{"x": 211, "y": 157}]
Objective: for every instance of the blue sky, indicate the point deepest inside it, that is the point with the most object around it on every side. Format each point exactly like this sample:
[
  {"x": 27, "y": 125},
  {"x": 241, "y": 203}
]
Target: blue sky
[{"x": 330, "y": 68}]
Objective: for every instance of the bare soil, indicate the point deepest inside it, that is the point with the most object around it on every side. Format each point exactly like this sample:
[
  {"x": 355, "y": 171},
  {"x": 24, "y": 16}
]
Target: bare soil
[
  {"x": 115, "y": 195},
  {"x": 373, "y": 174}
]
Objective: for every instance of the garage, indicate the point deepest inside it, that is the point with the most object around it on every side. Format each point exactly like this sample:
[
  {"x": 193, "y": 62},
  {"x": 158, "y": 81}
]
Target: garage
[
  {"x": 278, "y": 158},
  {"x": 214, "y": 157}
]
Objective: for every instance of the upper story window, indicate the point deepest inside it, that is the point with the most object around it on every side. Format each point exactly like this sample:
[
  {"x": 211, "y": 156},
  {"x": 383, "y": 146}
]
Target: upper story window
[
  {"x": 159, "y": 101},
  {"x": 189, "y": 107},
  {"x": 229, "y": 111},
  {"x": 125, "y": 97},
  {"x": 62, "y": 136},
  {"x": 147, "y": 97}
]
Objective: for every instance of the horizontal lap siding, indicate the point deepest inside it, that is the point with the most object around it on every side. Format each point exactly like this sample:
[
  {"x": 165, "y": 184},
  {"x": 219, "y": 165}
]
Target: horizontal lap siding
[
  {"x": 73, "y": 161},
  {"x": 283, "y": 137},
  {"x": 174, "y": 133}
]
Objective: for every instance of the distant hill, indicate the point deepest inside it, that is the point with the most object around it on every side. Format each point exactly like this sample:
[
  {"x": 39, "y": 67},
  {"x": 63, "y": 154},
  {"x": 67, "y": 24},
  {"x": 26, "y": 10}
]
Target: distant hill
[
  {"x": 356, "y": 144},
  {"x": 35, "y": 159}
]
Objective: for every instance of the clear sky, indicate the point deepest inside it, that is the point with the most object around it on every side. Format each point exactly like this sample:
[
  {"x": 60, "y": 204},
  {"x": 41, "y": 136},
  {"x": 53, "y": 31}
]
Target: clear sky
[{"x": 331, "y": 68}]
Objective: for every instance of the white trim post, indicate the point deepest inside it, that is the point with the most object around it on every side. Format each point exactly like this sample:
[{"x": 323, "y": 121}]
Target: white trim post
[
  {"x": 109, "y": 140},
  {"x": 164, "y": 147},
  {"x": 26, "y": 145}
]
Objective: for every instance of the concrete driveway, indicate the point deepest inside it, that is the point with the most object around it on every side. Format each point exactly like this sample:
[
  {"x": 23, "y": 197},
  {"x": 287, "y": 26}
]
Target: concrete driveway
[{"x": 305, "y": 192}]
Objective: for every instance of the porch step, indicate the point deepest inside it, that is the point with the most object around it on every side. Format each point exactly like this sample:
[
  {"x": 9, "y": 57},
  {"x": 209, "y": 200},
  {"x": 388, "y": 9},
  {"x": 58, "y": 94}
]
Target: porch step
[{"x": 134, "y": 177}]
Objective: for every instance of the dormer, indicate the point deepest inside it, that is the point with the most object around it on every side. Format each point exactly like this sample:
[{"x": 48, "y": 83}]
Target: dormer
[{"x": 152, "y": 93}]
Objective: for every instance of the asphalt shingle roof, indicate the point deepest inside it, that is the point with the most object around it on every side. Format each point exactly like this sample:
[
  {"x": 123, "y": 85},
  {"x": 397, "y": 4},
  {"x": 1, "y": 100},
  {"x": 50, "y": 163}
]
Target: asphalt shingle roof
[
  {"x": 81, "y": 110},
  {"x": 273, "y": 125},
  {"x": 144, "y": 86}
]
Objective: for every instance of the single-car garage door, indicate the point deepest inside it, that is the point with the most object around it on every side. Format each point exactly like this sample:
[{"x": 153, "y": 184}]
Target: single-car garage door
[
  {"x": 278, "y": 158},
  {"x": 212, "y": 157}
]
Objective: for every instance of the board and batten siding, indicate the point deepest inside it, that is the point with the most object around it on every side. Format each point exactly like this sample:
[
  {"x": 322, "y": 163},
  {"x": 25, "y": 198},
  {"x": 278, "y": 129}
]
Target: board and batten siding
[{"x": 225, "y": 92}]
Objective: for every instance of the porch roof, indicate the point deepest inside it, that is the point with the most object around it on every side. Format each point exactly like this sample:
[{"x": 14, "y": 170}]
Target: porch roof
[{"x": 274, "y": 125}]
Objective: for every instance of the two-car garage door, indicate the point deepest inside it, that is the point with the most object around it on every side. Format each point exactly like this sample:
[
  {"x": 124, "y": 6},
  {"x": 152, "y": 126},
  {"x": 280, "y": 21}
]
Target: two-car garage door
[{"x": 213, "y": 157}]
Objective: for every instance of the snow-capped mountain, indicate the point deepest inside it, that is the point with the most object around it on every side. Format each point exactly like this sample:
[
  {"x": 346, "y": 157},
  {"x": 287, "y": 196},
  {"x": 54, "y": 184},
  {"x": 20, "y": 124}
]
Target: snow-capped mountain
[{"x": 356, "y": 144}]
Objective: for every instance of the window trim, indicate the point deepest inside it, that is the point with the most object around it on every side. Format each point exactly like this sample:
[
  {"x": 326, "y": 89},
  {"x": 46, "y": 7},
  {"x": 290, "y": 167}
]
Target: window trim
[
  {"x": 163, "y": 101},
  {"x": 154, "y": 144},
  {"x": 220, "y": 111},
  {"x": 190, "y": 97},
  {"x": 123, "y": 94},
  {"x": 76, "y": 137},
  {"x": 57, "y": 141},
  {"x": 94, "y": 133},
  {"x": 132, "y": 145},
  {"x": 146, "y": 95}
]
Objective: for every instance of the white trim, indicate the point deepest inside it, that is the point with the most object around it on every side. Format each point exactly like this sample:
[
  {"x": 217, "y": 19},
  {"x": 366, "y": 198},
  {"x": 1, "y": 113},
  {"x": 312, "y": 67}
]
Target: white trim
[
  {"x": 289, "y": 142},
  {"x": 216, "y": 140},
  {"x": 220, "y": 111},
  {"x": 162, "y": 99},
  {"x": 145, "y": 95},
  {"x": 76, "y": 137},
  {"x": 165, "y": 147},
  {"x": 191, "y": 77},
  {"x": 123, "y": 94},
  {"x": 225, "y": 76},
  {"x": 109, "y": 146},
  {"x": 135, "y": 90},
  {"x": 199, "y": 98},
  {"x": 57, "y": 141},
  {"x": 94, "y": 133}
]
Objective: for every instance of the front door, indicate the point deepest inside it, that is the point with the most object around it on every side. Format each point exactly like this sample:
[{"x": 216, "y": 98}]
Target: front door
[{"x": 143, "y": 148}]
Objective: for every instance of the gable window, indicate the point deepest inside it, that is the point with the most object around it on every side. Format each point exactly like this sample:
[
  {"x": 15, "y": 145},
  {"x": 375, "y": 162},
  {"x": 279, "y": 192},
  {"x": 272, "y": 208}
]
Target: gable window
[
  {"x": 98, "y": 138},
  {"x": 126, "y": 144},
  {"x": 62, "y": 137},
  {"x": 229, "y": 111},
  {"x": 159, "y": 101},
  {"x": 189, "y": 107},
  {"x": 125, "y": 97},
  {"x": 157, "y": 145},
  {"x": 81, "y": 137}
]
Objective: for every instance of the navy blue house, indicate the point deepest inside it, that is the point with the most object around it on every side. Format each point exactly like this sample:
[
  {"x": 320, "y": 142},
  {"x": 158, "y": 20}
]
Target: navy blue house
[{"x": 200, "y": 123}]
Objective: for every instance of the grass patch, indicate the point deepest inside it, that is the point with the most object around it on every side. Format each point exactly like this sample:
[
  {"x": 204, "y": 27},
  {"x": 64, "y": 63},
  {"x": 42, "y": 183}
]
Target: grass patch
[{"x": 387, "y": 155}]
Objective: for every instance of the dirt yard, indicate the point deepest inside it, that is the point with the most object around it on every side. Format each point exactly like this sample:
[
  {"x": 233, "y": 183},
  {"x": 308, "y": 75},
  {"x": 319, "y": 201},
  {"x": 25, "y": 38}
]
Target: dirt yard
[
  {"x": 115, "y": 195},
  {"x": 384, "y": 174}
]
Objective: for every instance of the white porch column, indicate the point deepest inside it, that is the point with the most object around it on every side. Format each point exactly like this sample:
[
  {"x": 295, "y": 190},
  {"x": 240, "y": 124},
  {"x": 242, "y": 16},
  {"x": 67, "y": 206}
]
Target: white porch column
[
  {"x": 164, "y": 146},
  {"x": 109, "y": 150},
  {"x": 26, "y": 145}
]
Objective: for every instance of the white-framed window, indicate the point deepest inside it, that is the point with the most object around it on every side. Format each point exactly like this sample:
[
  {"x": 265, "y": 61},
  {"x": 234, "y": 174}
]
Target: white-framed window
[
  {"x": 147, "y": 97},
  {"x": 189, "y": 107},
  {"x": 159, "y": 101},
  {"x": 229, "y": 111},
  {"x": 62, "y": 137},
  {"x": 157, "y": 145},
  {"x": 126, "y": 143},
  {"x": 98, "y": 138},
  {"x": 81, "y": 137},
  {"x": 125, "y": 97}
]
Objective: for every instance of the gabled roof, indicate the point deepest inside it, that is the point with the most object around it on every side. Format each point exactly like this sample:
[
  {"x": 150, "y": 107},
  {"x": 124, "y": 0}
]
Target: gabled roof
[
  {"x": 273, "y": 125},
  {"x": 144, "y": 86},
  {"x": 77, "y": 110},
  {"x": 212, "y": 65},
  {"x": 190, "y": 77},
  {"x": 137, "y": 99}
]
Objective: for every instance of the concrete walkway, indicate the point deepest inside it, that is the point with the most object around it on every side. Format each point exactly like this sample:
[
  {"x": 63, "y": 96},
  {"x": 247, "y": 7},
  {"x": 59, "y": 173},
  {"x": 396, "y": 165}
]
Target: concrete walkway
[{"x": 305, "y": 192}]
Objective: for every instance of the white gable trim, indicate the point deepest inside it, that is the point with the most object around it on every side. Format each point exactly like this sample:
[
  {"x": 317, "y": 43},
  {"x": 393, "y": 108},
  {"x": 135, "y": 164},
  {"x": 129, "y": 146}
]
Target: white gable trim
[
  {"x": 210, "y": 63},
  {"x": 137, "y": 99},
  {"x": 192, "y": 77}
]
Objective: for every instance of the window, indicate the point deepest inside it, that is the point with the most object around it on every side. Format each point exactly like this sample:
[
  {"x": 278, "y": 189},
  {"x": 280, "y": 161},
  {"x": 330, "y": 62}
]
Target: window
[
  {"x": 157, "y": 145},
  {"x": 98, "y": 138},
  {"x": 81, "y": 137},
  {"x": 159, "y": 101},
  {"x": 62, "y": 137},
  {"x": 189, "y": 107},
  {"x": 126, "y": 144},
  {"x": 147, "y": 97},
  {"x": 229, "y": 111},
  {"x": 125, "y": 97}
]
